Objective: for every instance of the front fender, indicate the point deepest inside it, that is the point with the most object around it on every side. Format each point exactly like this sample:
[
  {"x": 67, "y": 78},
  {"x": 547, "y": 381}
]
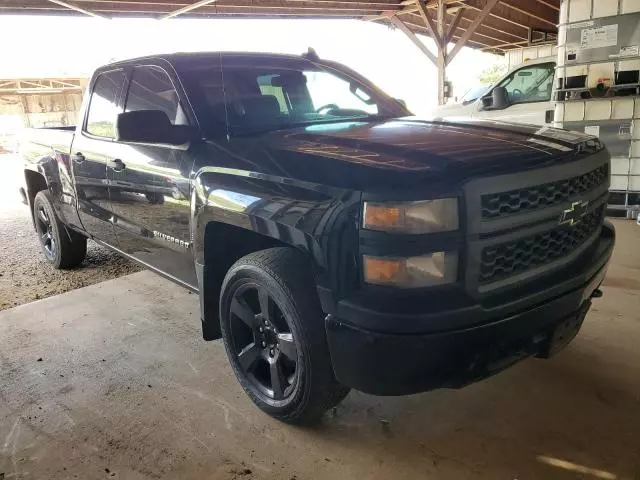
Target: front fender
[
  {"x": 248, "y": 206},
  {"x": 300, "y": 214}
]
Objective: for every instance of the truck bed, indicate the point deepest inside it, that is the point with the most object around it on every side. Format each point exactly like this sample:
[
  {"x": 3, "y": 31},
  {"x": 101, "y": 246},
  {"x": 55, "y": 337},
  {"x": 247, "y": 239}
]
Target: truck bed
[{"x": 58, "y": 138}]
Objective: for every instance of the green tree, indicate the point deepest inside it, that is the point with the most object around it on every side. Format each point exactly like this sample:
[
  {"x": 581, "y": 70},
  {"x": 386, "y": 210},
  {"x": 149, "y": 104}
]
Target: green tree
[{"x": 492, "y": 74}]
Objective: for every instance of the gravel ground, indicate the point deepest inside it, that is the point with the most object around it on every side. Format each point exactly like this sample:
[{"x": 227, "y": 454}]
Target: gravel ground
[{"x": 24, "y": 274}]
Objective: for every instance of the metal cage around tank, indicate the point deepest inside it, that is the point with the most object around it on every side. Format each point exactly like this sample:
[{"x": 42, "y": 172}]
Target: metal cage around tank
[{"x": 598, "y": 86}]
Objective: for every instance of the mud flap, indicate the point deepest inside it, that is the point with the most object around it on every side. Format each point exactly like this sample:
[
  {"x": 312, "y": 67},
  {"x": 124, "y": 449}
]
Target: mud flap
[{"x": 208, "y": 304}]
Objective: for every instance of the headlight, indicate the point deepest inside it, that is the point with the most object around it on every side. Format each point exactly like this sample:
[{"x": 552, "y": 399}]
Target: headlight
[
  {"x": 429, "y": 216},
  {"x": 437, "y": 268}
]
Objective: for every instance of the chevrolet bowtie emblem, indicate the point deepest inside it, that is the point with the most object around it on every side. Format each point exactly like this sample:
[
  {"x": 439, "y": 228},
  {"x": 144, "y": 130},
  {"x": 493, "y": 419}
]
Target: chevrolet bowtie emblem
[{"x": 574, "y": 213}]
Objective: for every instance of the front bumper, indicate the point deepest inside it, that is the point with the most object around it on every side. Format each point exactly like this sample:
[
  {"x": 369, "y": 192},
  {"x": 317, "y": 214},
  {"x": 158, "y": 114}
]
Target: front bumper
[{"x": 398, "y": 363}]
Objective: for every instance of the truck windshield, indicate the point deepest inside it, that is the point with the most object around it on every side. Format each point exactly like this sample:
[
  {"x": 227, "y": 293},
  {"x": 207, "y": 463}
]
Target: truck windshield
[{"x": 257, "y": 98}]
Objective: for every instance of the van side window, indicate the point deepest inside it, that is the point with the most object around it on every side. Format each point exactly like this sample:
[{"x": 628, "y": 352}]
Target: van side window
[
  {"x": 103, "y": 107},
  {"x": 152, "y": 89},
  {"x": 533, "y": 83}
]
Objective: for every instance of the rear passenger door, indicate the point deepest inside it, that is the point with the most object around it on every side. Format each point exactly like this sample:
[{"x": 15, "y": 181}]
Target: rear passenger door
[
  {"x": 150, "y": 190},
  {"x": 93, "y": 150}
]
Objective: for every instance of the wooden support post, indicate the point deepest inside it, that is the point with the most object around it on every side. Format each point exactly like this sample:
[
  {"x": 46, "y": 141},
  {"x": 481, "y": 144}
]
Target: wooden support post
[
  {"x": 25, "y": 111},
  {"x": 442, "y": 54}
]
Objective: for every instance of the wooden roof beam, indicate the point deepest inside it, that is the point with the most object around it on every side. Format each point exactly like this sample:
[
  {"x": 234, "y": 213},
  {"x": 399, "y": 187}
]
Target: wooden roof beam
[
  {"x": 410, "y": 7},
  {"x": 487, "y": 26},
  {"x": 186, "y": 9},
  {"x": 505, "y": 45},
  {"x": 423, "y": 31},
  {"x": 77, "y": 8},
  {"x": 471, "y": 29},
  {"x": 399, "y": 24},
  {"x": 453, "y": 26},
  {"x": 550, "y": 5},
  {"x": 422, "y": 10},
  {"x": 478, "y": 33},
  {"x": 530, "y": 14},
  {"x": 497, "y": 17}
]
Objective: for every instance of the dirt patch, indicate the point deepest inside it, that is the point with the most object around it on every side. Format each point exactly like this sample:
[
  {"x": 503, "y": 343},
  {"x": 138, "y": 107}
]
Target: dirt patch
[{"x": 25, "y": 276}]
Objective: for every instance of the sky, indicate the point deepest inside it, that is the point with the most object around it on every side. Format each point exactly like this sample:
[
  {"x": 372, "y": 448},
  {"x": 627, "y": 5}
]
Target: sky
[{"x": 74, "y": 46}]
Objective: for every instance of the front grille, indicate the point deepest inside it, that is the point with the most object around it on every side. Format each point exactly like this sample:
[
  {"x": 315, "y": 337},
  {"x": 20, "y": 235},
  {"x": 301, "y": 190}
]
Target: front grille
[
  {"x": 510, "y": 258},
  {"x": 497, "y": 205}
]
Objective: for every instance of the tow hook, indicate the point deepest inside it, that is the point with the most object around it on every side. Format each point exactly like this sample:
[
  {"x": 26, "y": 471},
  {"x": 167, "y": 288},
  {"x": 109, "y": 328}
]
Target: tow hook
[{"x": 597, "y": 293}]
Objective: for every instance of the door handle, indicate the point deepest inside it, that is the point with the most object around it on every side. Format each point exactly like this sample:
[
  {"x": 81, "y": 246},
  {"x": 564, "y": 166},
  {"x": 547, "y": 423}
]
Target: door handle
[
  {"x": 78, "y": 157},
  {"x": 116, "y": 165},
  {"x": 548, "y": 116}
]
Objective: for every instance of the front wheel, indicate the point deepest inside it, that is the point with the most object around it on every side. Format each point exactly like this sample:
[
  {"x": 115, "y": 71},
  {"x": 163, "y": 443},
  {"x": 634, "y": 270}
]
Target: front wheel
[
  {"x": 273, "y": 331},
  {"x": 63, "y": 248}
]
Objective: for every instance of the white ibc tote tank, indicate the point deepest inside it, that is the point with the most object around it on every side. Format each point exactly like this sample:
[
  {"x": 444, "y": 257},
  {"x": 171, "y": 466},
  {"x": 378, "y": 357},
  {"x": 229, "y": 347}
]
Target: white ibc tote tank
[{"x": 598, "y": 85}]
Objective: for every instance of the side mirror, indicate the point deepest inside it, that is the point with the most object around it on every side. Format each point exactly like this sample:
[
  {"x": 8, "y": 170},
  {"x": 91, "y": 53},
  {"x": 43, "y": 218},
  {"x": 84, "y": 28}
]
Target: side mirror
[
  {"x": 401, "y": 102},
  {"x": 500, "y": 98},
  {"x": 152, "y": 126}
]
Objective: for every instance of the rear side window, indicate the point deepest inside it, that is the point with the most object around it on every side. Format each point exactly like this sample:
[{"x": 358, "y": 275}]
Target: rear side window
[
  {"x": 152, "y": 89},
  {"x": 103, "y": 107}
]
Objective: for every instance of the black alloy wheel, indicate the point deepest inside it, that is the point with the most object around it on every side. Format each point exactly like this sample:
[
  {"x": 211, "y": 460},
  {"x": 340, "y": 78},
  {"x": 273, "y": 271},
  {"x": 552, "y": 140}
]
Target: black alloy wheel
[
  {"x": 273, "y": 329},
  {"x": 263, "y": 342},
  {"x": 44, "y": 227},
  {"x": 61, "y": 246}
]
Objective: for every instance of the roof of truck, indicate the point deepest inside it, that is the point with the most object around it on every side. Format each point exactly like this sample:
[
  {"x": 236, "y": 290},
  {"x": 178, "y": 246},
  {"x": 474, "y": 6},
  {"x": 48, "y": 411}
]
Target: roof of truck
[{"x": 182, "y": 56}]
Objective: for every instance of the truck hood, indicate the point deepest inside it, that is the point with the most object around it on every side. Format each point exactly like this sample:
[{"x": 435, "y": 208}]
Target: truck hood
[{"x": 407, "y": 150}]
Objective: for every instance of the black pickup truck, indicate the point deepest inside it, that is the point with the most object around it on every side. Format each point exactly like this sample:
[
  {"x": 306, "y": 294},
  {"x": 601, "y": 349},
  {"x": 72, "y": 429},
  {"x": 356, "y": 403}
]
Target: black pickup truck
[{"x": 335, "y": 241}]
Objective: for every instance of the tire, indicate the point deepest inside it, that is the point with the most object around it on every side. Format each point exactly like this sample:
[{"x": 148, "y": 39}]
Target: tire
[
  {"x": 62, "y": 247},
  {"x": 155, "y": 198},
  {"x": 277, "y": 281}
]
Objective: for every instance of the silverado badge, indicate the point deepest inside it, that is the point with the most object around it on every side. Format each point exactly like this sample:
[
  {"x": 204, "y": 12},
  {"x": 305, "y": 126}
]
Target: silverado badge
[{"x": 574, "y": 213}]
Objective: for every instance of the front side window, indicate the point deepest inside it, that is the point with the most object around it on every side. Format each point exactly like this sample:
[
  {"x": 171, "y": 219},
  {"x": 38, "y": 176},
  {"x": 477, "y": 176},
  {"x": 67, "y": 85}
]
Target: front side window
[
  {"x": 103, "y": 107},
  {"x": 333, "y": 94},
  {"x": 258, "y": 98},
  {"x": 473, "y": 94},
  {"x": 152, "y": 89},
  {"x": 530, "y": 84}
]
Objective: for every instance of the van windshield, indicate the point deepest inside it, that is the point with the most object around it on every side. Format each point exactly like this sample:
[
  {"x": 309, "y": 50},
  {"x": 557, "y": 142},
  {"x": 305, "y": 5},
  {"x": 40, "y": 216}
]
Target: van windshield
[{"x": 259, "y": 98}]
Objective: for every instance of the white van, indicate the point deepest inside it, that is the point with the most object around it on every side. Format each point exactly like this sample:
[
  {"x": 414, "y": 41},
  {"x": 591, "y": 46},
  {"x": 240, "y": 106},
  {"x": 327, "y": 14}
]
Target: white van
[{"x": 523, "y": 95}]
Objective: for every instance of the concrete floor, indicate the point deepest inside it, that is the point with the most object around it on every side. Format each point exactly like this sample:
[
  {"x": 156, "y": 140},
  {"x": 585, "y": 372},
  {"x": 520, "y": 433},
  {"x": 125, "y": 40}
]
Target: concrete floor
[{"x": 113, "y": 381}]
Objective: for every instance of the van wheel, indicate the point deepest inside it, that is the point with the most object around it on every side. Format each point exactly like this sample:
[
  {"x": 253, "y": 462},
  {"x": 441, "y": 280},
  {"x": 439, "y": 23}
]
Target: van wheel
[
  {"x": 273, "y": 331},
  {"x": 63, "y": 248}
]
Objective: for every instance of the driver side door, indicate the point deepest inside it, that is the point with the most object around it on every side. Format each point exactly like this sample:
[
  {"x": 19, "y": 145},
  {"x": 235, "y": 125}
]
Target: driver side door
[
  {"x": 150, "y": 188},
  {"x": 529, "y": 93}
]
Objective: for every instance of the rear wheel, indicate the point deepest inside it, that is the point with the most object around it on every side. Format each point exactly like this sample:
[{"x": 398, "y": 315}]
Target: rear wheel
[
  {"x": 63, "y": 248},
  {"x": 273, "y": 330}
]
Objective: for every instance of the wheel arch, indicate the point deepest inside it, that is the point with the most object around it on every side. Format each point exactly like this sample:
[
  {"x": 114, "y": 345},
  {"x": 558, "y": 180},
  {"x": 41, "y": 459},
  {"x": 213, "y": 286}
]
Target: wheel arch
[
  {"x": 223, "y": 244},
  {"x": 35, "y": 181}
]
